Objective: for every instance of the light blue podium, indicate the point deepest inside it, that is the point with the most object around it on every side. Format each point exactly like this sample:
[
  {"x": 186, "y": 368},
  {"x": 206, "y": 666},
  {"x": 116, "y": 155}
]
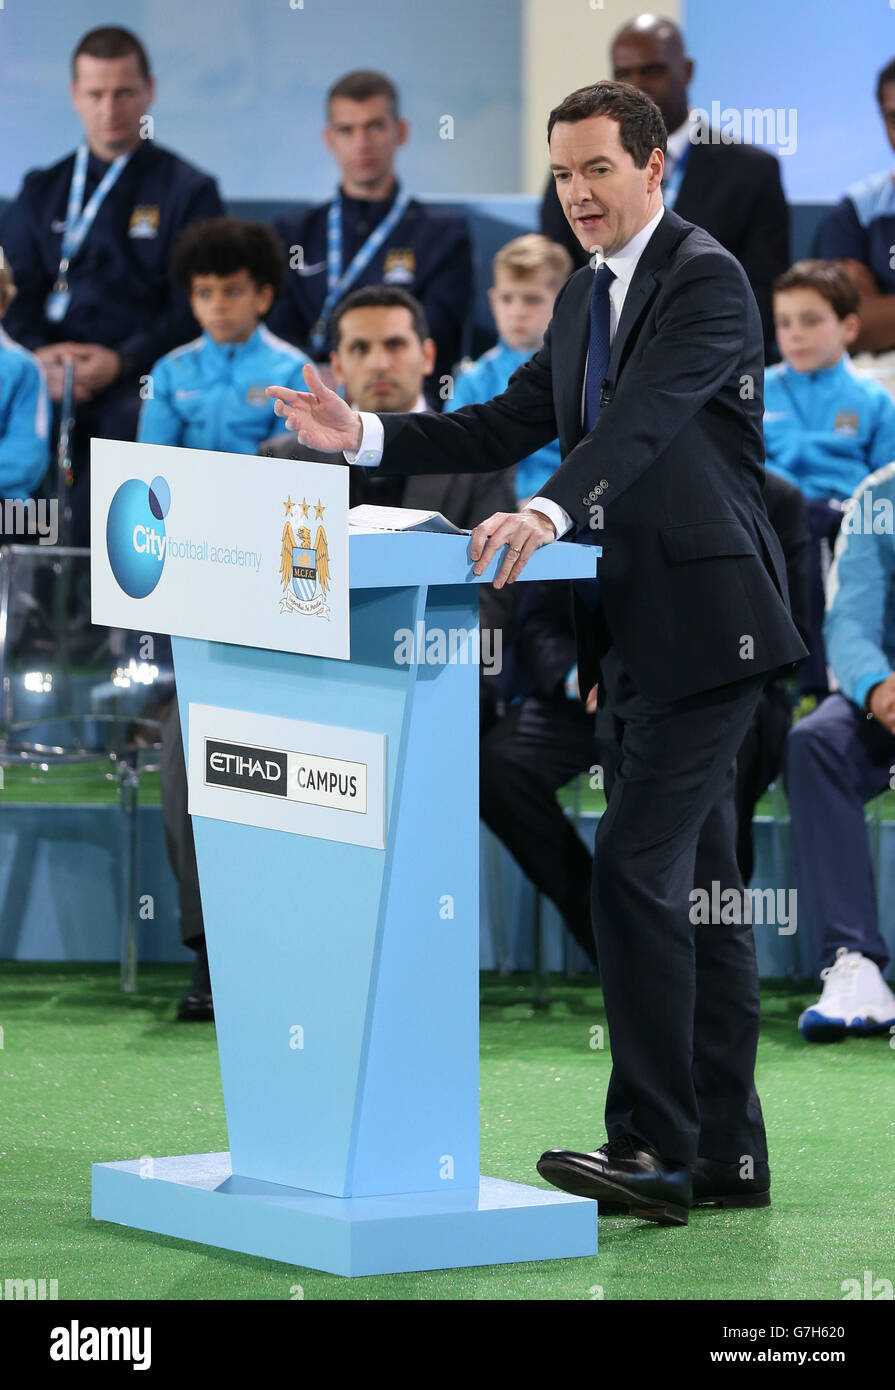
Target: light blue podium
[{"x": 345, "y": 976}]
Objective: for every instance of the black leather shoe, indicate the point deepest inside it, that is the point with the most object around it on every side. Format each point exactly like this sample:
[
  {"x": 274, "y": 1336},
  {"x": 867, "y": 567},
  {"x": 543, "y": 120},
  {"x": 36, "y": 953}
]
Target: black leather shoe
[
  {"x": 627, "y": 1172},
  {"x": 717, "y": 1184},
  {"x": 196, "y": 1006}
]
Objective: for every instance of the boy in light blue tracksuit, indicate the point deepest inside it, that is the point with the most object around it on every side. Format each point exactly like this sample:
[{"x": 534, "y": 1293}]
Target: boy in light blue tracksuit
[
  {"x": 24, "y": 411},
  {"x": 825, "y": 426},
  {"x": 210, "y": 394},
  {"x": 528, "y": 274},
  {"x": 837, "y": 758}
]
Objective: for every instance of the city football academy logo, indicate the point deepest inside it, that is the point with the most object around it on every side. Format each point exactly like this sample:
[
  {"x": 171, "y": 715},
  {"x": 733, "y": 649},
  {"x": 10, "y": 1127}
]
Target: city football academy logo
[
  {"x": 135, "y": 534},
  {"x": 304, "y": 569}
]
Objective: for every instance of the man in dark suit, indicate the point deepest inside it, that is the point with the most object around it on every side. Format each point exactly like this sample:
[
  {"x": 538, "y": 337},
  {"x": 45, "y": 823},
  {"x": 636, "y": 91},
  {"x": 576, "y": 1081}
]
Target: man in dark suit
[
  {"x": 651, "y": 374},
  {"x": 733, "y": 191},
  {"x": 382, "y": 353}
]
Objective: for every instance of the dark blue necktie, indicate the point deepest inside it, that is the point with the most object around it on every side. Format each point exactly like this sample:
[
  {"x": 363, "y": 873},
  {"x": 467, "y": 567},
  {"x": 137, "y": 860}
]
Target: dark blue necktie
[
  {"x": 588, "y": 590},
  {"x": 598, "y": 346}
]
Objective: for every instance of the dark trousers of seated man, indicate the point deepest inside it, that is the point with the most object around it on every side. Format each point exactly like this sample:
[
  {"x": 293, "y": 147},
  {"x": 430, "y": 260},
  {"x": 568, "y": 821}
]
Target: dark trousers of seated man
[
  {"x": 537, "y": 747},
  {"x": 836, "y": 761},
  {"x": 759, "y": 763},
  {"x": 179, "y": 828},
  {"x": 682, "y": 1000},
  {"x": 824, "y": 521}
]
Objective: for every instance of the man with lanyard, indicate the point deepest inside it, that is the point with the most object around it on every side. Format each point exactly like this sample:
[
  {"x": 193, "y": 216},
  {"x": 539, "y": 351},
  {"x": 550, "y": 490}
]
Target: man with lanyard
[
  {"x": 372, "y": 233},
  {"x": 733, "y": 191},
  {"x": 90, "y": 242}
]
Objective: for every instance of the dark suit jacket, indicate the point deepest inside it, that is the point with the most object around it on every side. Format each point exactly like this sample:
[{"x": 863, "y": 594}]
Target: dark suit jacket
[
  {"x": 543, "y": 650},
  {"x": 693, "y": 590},
  {"x": 734, "y": 193}
]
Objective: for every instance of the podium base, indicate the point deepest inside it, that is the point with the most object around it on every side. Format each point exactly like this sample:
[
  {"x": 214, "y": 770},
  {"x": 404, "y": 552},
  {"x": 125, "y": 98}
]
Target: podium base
[{"x": 196, "y": 1197}]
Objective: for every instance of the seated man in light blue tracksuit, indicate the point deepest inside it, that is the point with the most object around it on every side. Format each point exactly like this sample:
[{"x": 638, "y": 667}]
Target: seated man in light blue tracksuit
[{"x": 838, "y": 758}]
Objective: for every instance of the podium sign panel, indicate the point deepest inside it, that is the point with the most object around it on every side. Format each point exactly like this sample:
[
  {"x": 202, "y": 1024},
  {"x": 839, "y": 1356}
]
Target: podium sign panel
[
  {"x": 287, "y": 774},
  {"x": 202, "y": 544},
  {"x": 344, "y": 960}
]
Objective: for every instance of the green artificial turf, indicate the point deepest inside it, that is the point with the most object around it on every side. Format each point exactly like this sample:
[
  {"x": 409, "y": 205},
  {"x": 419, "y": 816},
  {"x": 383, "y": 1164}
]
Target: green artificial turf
[
  {"x": 88, "y": 784},
  {"x": 96, "y": 785},
  {"x": 89, "y": 1074}
]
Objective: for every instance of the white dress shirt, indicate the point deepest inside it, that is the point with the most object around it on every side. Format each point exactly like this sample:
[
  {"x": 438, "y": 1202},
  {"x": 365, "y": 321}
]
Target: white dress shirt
[{"x": 623, "y": 263}]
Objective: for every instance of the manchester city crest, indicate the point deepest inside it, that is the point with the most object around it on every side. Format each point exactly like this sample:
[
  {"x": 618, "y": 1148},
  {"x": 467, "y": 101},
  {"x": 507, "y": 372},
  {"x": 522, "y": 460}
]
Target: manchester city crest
[{"x": 304, "y": 569}]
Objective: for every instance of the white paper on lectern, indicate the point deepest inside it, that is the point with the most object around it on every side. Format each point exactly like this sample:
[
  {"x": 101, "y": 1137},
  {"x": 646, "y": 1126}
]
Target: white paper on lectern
[
  {"x": 256, "y": 549},
  {"x": 370, "y": 518}
]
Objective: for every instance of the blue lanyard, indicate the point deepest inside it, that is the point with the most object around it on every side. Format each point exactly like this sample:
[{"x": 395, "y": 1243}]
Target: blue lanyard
[
  {"x": 337, "y": 282},
  {"x": 78, "y": 222},
  {"x": 673, "y": 184}
]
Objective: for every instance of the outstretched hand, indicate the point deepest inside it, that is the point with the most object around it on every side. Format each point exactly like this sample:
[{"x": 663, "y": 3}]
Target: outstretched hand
[{"x": 320, "y": 417}]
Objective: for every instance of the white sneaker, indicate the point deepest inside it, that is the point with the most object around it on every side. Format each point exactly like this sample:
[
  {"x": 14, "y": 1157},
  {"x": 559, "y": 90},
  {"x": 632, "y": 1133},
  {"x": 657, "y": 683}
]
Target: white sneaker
[{"x": 855, "y": 999}]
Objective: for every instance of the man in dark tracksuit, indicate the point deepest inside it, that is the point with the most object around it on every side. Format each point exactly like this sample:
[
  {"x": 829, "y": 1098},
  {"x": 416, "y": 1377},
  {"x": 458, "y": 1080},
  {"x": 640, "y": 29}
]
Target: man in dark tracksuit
[
  {"x": 114, "y": 311},
  {"x": 425, "y": 249}
]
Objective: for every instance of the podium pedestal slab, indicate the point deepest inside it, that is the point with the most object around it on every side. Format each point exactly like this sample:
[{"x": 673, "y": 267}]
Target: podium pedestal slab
[{"x": 196, "y": 1197}]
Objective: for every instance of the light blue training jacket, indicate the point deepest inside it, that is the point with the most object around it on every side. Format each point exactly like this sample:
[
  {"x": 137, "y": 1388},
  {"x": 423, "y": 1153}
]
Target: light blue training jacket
[
  {"x": 206, "y": 395},
  {"x": 24, "y": 420},
  {"x": 859, "y": 623}
]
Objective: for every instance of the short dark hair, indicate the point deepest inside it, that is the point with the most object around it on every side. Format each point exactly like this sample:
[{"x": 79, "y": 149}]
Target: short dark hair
[
  {"x": 111, "y": 42},
  {"x": 380, "y": 297},
  {"x": 827, "y": 277},
  {"x": 885, "y": 79},
  {"x": 225, "y": 245},
  {"x": 361, "y": 85},
  {"x": 640, "y": 126}
]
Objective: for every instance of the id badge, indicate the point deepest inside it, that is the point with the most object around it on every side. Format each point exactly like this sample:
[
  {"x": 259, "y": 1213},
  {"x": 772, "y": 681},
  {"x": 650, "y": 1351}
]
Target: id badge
[{"x": 56, "y": 305}]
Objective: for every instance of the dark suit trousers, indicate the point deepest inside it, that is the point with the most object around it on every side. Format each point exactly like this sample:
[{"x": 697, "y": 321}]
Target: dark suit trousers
[{"x": 682, "y": 1001}]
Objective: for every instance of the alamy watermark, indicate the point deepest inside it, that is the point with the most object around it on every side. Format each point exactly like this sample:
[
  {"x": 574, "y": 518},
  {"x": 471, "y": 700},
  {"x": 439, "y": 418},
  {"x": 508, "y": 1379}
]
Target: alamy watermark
[
  {"x": 728, "y": 907},
  {"x": 37, "y": 1289},
  {"x": 753, "y": 125},
  {"x": 454, "y": 646},
  {"x": 25, "y": 516}
]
